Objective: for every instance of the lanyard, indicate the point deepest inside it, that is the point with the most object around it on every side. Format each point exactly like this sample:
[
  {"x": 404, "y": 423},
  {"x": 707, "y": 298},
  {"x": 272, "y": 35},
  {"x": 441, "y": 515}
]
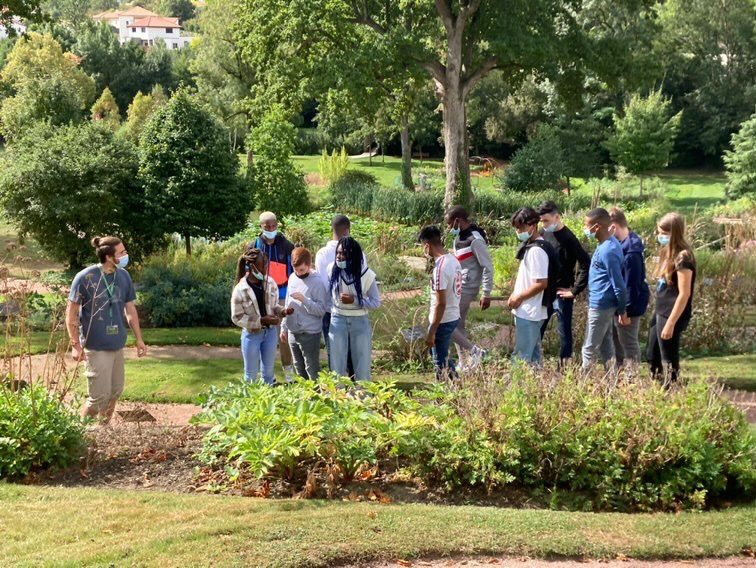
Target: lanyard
[{"x": 110, "y": 290}]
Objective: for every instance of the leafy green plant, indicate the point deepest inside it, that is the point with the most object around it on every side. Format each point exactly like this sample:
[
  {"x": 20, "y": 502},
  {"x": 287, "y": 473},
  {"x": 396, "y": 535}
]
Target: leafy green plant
[
  {"x": 741, "y": 160},
  {"x": 537, "y": 166},
  {"x": 333, "y": 167},
  {"x": 36, "y": 432}
]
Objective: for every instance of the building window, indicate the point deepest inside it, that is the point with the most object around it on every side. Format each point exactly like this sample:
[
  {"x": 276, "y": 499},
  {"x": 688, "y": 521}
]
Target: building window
[
  {"x": 175, "y": 45},
  {"x": 143, "y": 30},
  {"x": 169, "y": 30},
  {"x": 151, "y": 43},
  {"x": 133, "y": 30}
]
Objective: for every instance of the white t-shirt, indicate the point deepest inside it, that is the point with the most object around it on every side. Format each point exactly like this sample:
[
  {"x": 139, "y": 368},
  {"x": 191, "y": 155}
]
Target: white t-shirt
[
  {"x": 533, "y": 267},
  {"x": 447, "y": 275}
]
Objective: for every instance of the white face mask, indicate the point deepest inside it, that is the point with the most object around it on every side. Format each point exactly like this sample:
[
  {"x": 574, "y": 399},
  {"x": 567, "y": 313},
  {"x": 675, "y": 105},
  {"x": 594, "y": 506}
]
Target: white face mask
[{"x": 341, "y": 264}]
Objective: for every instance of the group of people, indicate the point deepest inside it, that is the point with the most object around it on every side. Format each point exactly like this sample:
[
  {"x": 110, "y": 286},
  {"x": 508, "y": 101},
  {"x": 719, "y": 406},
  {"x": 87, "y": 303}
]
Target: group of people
[{"x": 286, "y": 301}]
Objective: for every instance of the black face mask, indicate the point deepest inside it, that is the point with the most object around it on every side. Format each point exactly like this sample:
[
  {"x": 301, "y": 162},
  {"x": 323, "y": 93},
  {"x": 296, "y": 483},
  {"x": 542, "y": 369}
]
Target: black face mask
[{"x": 304, "y": 276}]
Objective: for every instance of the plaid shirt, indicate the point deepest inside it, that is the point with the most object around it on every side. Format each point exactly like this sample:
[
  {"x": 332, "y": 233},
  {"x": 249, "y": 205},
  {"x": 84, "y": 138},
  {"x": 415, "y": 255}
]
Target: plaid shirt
[{"x": 245, "y": 312}]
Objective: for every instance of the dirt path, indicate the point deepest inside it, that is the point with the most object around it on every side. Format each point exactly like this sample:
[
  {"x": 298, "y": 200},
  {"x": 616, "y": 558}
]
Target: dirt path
[{"x": 480, "y": 562}]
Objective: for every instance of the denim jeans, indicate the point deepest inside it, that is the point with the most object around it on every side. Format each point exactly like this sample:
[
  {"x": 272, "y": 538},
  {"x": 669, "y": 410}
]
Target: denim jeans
[
  {"x": 256, "y": 347},
  {"x": 599, "y": 341},
  {"x": 440, "y": 349},
  {"x": 350, "y": 335},
  {"x": 527, "y": 340},
  {"x": 626, "y": 342},
  {"x": 305, "y": 348},
  {"x": 563, "y": 310}
]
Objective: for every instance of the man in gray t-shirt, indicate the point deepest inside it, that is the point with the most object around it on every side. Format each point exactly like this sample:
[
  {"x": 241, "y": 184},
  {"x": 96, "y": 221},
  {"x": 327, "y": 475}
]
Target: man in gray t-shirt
[{"x": 100, "y": 305}]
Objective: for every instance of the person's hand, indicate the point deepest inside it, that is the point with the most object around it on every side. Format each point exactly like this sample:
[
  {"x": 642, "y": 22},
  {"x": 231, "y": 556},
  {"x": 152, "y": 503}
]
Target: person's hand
[
  {"x": 77, "y": 352},
  {"x": 283, "y": 337},
  {"x": 565, "y": 294},
  {"x": 668, "y": 331},
  {"x": 141, "y": 348},
  {"x": 270, "y": 320},
  {"x": 514, "y": 301},
  {"x": 624, "y": 320},
  {"x": 430, "y": 339},
  {"x": 485, "y": 303},
  {"x": 298, "y": 296},
  {"x": 289, "y": 311},
  {"x": 347, "y": 299}
]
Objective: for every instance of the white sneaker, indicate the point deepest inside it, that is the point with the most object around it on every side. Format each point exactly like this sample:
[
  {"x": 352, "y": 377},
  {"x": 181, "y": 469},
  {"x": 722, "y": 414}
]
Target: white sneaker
[
  {"x": 289, "y": 374},
  {"x": 476, "y": 357}
]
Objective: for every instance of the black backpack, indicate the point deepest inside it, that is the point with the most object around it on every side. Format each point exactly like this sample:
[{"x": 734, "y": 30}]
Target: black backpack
[{"x": 550, "y": 294}]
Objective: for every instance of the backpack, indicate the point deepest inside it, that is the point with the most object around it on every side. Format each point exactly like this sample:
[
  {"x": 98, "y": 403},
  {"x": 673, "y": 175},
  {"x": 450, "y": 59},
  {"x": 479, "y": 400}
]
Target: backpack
[{"x": 550, "y": 293}]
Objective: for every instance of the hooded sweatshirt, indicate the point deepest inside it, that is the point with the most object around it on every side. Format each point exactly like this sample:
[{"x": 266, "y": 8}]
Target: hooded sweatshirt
[
  {"x": 634, "y": 273},
  {"x": 471, "y": 250}
]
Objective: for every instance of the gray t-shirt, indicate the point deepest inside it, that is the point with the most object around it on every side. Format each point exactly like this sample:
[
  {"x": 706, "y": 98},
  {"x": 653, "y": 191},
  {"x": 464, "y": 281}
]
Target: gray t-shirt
[{"x": 103, "y": 298}]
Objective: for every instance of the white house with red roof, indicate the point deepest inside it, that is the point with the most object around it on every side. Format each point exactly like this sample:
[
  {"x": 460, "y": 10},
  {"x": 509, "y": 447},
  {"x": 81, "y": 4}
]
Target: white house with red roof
[{"x": 144, "y": 27}]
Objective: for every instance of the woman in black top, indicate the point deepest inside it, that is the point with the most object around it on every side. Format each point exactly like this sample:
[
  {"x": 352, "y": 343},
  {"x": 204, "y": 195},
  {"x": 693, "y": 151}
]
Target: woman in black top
[{"x": 676, "y": 278}]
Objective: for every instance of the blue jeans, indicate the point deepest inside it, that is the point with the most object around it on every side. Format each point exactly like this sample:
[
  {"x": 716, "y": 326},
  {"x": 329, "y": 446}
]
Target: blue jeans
[
  {"x": 350, "y": 335},
  {"x": 440, "y": 349},
  {"x": 527, "y": 340},
  {"x": 599, "y": 340},
  {"x": 563, "y": 310},
  {"x": 259, "y": 347}
]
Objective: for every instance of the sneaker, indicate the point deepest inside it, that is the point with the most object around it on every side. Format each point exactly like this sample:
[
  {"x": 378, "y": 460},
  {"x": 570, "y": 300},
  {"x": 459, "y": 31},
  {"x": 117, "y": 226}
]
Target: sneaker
[
  {"x": 289, "y": 374},
  {"x": 476, "y": 357}
]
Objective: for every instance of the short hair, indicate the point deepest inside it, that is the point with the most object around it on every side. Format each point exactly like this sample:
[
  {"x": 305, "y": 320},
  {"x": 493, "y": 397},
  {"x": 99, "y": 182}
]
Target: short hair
[
  {"x": 617, "y": 217},
  {"x": 105, "y": 247},
  {"x": 457, "y": 212},
  {"x": 301, "y": 255},
  {"x": 268, "y": 216},
  {"x": 430, "y": 234},
  {"x": 340, "y": 224},
  {"x": 599, "y": 215},
  {"x": 548, "y": 208},
  {"x": 525, "y": 216}
]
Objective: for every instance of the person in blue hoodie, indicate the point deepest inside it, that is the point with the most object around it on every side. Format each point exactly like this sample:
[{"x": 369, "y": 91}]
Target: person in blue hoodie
[
  {"x": 626, "y": 343},
  {"x": 607, "y": 293}
]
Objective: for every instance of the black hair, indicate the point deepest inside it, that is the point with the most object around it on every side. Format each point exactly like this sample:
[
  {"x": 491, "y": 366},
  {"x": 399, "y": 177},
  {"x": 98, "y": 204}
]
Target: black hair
[
  {"x": 430, "y": 234},
  {"x": 353, "y": 272},
  {"x": 548, "y": 208},
  {"x": 457, "y": 212},
  {"x": 600, "y": 216},
  {"x": 525, "y": 216},
  {"x": 247, "y": 260},
  {"x": 340, "y": 224}
]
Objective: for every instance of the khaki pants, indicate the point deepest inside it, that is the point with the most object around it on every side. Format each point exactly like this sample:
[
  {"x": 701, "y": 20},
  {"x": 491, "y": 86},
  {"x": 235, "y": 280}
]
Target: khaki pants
[
  {"x": 105, "y": 373},
  {"x": 283, "y": 346}
]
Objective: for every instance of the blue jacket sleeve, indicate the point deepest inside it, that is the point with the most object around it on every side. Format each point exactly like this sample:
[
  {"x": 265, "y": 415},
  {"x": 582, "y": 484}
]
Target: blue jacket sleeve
[
  {"x": 633, "y": 265},
  {"x": 614, "y": 266}
]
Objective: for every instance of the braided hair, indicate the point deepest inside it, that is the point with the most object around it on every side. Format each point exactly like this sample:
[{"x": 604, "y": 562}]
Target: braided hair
[
  {"x": 353, "y": 271},
  {"x": 247, "y": 260}
]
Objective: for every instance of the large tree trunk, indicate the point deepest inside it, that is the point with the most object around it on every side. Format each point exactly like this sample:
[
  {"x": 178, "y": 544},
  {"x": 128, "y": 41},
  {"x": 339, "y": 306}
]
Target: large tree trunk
[
  {"x": 188, "y": 242},
  {"x": 406, "y": 155},
  {"x": 458, "y": 189}
]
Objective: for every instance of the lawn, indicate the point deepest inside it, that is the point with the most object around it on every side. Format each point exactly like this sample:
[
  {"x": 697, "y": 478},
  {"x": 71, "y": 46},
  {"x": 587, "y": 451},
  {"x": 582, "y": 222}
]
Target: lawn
[
  {"x": 735, "y": 371},
  {"x": 21, "y": 259},
  {"x": 48, "y": 526}
]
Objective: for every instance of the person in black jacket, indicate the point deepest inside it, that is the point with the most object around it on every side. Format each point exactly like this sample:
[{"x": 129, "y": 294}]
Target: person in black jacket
[
  {"x": 570, "y": 253},
  {"x": 626, "y": 343}
]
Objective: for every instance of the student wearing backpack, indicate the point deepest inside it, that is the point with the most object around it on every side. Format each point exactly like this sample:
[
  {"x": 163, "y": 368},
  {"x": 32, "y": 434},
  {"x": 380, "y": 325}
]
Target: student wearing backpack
[
  {"x": 571, "y": 255},
  {"x": 532, "y": 292},
  {"x": 626, "y": 344},
  {"x": 607, "y": 293}
]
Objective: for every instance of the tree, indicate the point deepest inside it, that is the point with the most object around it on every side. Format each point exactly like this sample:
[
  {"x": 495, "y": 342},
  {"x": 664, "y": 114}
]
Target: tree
[
  {"x": 44, "y": 84},
  {"x": 645, "y": 135},
  {"x": 63, "y": 185},
  {"x": 106, "y": 110},
  {"x": 140, "y": 110},
  {"x": 538, "y": 165},
  {"x": 72, "y": 12},
  {"x": 741, "y": 161},
  {"x": 456, "y": 42},
  {"x": 189, "y": 171},
  {"x": 274, "y": 180},
  {"x": 29, "y": 10},
  {"x": 181, "y": 9}
]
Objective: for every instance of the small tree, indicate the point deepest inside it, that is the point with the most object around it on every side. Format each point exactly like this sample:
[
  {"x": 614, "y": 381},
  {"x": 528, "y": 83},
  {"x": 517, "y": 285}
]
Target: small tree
[
  {"x": 275, "y": 182},
  {"x": 645, "y": 135},
  {"x": 105, "y": 110},
  {"x": 740, "y": 162},
  {"x": 64, "y": 185},
  {"x": 140, "y": 110},
  {"x": 190, "y": 172},
  {"x": 538, "y": 165}
]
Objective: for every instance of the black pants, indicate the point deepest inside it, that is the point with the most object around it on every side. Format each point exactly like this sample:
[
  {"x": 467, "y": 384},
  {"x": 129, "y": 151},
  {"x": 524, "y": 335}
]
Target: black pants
[{"x": 664, "y": 354}]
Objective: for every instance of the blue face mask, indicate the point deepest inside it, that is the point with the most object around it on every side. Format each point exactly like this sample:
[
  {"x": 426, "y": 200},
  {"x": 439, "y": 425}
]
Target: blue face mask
[
  {"x": 270, "y": 234},
  {"x": 524, "y": 236},
  {"x": 341, "y": 264},
  {"x": 589, "y": 234},
  {"x": 123, "y": 261},
  {"x": 663, "y": 240},
  {"x": 550, "y": 228},
  {"x": 255, "y": 274},
  {"x": 454, "y": 231}
]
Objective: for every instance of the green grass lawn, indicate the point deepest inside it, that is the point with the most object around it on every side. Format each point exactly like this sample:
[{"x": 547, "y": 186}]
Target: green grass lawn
[
  {"x": 86, "y": 527},
  {"x": 735, "y": 371}
]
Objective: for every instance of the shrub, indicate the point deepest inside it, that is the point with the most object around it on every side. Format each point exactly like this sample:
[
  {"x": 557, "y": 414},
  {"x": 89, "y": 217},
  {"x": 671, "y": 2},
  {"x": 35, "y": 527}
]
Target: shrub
[
  {"x": 579, "y": 441},
  {"x": 741, "y": 161},
  {"x": 36, "y": 432},
  {"x": 332, "y": 168},
  {"x": 537, "y": 166}
]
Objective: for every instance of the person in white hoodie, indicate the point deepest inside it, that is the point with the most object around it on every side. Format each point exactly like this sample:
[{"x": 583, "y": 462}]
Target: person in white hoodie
[
  {"x": 255, "y": 309},
  {"x": 308, "y": 297},
  {"x": 354, "y": 291}
]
